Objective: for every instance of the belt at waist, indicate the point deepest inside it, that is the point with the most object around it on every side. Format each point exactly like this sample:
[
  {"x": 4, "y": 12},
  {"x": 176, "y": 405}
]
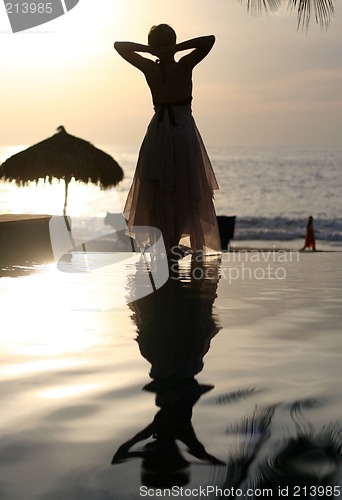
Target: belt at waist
[{"x": 168, "y": 107}]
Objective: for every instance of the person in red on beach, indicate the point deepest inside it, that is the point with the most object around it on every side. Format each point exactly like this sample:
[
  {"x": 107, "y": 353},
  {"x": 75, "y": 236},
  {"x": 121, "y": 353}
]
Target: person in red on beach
[{"x": 310, "y": 236}]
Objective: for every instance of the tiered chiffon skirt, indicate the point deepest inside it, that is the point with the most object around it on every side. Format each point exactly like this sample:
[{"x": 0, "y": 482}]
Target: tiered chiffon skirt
[{"x": 173, "y": 185}]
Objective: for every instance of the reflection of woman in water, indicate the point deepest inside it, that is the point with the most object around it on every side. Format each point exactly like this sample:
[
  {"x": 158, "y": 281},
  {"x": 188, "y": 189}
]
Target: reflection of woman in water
[
  {"x": 173, "y": 185},
  {"x": 310, "y": 235},
  {"x": 175, "y": 325}
]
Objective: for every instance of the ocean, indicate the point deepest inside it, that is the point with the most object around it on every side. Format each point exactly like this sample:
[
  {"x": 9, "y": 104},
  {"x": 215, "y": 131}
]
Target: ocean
[{"x": 270, "y": 190}]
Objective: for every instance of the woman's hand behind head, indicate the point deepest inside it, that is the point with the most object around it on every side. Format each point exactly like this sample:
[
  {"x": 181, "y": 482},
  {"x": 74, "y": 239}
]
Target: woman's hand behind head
[{"x": 164, "y": 53}]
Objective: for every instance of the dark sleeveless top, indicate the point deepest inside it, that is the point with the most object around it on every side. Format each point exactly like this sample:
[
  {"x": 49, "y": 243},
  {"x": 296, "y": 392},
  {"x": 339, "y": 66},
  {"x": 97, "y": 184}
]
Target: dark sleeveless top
[{"x": 167, "y": 106}]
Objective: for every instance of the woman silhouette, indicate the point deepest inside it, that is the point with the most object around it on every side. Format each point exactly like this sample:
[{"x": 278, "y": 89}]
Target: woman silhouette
[{"x": 174, "y": 182}]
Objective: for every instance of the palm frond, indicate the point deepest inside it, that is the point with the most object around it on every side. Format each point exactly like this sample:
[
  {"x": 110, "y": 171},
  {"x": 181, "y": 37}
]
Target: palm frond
[
  {"x": 257, "y": 6},
  {"x": 323, "y": 10}
]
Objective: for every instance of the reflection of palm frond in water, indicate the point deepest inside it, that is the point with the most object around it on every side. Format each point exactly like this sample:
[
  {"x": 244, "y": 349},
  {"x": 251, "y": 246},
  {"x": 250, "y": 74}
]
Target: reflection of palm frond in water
[
  {"x": 306, "y": 459},
  {"x": 332, "y": 433},
  {"x": 303, "y": 426},
  {"x": 234, "y": 396},
  {"x": 306, "y": 404},
  {"x": 254, "y": 431},
  {"x": 254, "y": 426}
]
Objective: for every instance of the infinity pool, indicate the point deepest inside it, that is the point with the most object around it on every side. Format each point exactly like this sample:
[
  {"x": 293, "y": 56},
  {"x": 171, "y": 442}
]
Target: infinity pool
[{"x": 225, "y": 377}]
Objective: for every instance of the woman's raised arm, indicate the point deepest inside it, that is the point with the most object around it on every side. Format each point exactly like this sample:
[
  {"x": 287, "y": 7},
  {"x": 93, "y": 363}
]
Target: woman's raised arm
[
  {"x": 129, "y": 51},
  {"x": 202, "y": 45}
]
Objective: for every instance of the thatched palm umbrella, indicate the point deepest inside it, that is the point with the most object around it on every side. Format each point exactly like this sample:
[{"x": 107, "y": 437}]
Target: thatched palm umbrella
[{"x": 62, "y": 156}]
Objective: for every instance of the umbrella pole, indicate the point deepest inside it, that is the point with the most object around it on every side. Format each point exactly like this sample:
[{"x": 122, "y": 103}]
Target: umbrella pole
[
  {"x": 65, "y": 216},
  {"x": 65, "y": 196},
  {"x": 68, "y": 226}
]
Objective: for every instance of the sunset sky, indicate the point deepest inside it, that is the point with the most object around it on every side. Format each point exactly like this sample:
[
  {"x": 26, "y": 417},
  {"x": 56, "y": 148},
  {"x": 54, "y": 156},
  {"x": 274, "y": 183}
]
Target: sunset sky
[{"x": 264, "y": 83}]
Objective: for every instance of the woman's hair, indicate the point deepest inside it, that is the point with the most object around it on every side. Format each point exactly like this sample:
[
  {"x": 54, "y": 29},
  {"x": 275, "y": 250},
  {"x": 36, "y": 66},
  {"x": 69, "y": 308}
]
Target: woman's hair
[{"x": 161, "y": 36}]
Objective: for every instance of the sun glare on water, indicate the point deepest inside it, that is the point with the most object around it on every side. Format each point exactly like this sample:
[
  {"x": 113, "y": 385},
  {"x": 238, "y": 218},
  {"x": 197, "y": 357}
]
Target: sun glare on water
[{"x": 45, "y": 198}]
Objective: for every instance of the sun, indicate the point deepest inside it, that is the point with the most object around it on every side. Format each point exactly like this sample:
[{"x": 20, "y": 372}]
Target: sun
[{"x": 70, "y": 40}]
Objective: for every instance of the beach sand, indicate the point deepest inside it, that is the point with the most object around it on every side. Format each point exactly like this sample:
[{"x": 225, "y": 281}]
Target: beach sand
[{"x": 259, "y": 333}]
